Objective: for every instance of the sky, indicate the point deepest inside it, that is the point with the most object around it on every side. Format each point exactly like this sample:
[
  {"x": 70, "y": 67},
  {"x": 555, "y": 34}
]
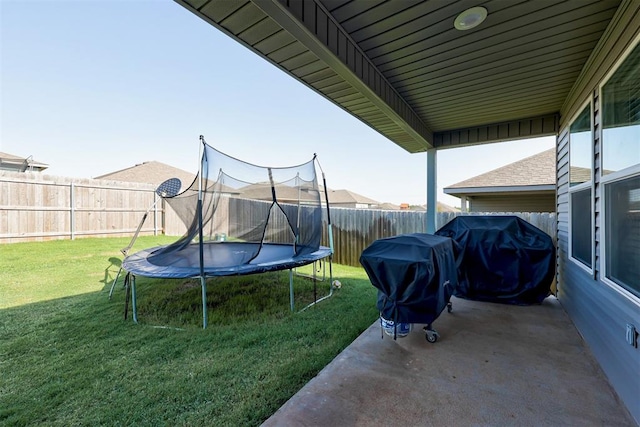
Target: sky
[{"x": 91, "y": 87}]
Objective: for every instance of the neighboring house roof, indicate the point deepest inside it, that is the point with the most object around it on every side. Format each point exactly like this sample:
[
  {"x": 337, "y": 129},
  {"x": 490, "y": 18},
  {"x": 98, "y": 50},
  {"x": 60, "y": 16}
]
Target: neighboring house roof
[
  {"x": 262, "y": 191},
  {"x": 388, "y": 207},
  {"x": 152, "y": 173},
  {"x": 20, "y": 164},
  {"x": 535, "y": 173},
  {"x": 441, "y": 207},
  {"x": 346, "y": 197},
  {"x": 156, "y": 172}
]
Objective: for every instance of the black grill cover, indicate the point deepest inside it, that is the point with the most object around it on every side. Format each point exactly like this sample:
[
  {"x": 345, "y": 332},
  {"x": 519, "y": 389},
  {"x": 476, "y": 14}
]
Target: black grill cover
[
  {"x": 415, "y": 275},
  {"x": 502, "y": 259}
]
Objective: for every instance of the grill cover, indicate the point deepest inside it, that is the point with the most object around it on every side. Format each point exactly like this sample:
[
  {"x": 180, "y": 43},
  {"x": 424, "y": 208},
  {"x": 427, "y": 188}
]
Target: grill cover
[
  {"x": 415, "y": 275},
  {"x": 502, "y": 259}
]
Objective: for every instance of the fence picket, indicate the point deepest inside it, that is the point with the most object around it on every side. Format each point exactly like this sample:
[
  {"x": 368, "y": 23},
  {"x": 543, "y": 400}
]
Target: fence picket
[
  {"x": 40, "y": 207},
  {"x": 355, "y": 229}
]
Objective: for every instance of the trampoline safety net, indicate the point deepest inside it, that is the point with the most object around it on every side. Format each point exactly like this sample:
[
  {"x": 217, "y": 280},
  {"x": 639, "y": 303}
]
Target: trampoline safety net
[{"x": 240, "y": 218}]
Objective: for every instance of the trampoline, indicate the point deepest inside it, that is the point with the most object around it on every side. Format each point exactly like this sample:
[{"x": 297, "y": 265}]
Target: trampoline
[
  {"x": 240, "y": 219},
  {"x": 220, "y": 259}
]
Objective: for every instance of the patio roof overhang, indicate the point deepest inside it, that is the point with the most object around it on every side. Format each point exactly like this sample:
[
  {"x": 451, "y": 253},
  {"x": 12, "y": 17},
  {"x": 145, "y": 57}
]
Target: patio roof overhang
[
  {"x": 402, "y": 68},
  {"x": 504, "y": 190}
]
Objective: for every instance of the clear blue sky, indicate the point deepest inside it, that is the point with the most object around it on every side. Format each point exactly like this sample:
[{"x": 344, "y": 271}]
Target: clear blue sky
[{"x": 91, "y": 87}]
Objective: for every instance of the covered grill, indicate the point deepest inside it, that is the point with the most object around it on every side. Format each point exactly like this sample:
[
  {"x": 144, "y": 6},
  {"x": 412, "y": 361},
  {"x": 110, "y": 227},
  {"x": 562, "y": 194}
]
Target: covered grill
[
  {"x": 502, "y": 259},
  {"x": 415, "y": 275}
]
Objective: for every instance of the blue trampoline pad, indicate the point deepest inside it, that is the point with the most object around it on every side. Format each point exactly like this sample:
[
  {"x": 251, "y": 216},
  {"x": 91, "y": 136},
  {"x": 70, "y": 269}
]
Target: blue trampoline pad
[{"x": 220, "y": 259}]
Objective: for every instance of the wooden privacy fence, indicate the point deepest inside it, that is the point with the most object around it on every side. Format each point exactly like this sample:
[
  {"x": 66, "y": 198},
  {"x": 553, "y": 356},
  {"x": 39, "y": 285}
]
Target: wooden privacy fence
[
  {"x": 36, "y": 207},
  {"x": 355, "y": 229}
]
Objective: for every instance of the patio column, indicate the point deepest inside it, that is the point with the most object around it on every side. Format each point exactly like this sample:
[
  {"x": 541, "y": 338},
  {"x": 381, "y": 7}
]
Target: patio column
[{"x": 432, "y": 190}]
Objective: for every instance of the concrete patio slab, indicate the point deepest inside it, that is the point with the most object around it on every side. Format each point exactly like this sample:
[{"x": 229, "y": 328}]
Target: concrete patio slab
[{"x": 493, "y": 365}]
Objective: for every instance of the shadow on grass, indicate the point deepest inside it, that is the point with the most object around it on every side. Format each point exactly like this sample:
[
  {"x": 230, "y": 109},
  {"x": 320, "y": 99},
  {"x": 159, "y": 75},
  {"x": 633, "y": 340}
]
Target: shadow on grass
[
  {"x": 75, "y": 360},
  {"x": 111, "y": 272}
]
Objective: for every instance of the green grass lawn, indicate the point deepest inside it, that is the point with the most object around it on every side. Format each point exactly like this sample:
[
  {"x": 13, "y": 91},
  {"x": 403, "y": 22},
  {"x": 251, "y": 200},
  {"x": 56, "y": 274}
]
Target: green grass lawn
[{"x": 67, "y": 356}]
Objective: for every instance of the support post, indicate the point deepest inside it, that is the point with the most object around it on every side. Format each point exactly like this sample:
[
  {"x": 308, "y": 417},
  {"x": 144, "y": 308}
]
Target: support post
[
  {"x": 134, "y": 305},
  {"x": 432, "y": 190},
  {"x": 72, "y": 211},
  {"x": 155, "y": 213},
  {"x": 203, "y": 285},
  {"x": 291, "y": 290}
]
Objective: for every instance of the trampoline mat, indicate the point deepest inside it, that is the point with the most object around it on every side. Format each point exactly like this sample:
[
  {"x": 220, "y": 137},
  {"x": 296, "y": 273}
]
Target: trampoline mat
[{"x": 220, "y": 259}]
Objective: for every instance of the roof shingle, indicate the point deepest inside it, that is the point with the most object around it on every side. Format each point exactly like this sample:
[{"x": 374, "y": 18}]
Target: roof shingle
[
  {"x": 151, "y": 173},
  {"x": 539, "y": 169}
]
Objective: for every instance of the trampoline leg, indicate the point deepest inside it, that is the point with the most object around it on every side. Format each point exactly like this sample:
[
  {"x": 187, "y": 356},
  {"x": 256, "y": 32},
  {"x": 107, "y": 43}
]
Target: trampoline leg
[
  {"x": 331, "y": 287},
  {"x": 134, "y": 306},
  {"x": 315, "y": 286},
  {"x": 113, "y": 285},
  {"x": 203, "y": 285},
  {"x": 291, "y": 290}
]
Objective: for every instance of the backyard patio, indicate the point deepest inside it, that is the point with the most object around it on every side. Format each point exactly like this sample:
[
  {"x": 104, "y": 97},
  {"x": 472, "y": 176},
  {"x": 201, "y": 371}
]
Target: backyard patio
[{"x": 493, "y": 365}]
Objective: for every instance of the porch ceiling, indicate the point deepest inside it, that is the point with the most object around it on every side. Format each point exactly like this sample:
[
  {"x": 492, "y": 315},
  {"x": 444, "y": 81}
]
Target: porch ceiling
[{"x": 402, "y": 68}]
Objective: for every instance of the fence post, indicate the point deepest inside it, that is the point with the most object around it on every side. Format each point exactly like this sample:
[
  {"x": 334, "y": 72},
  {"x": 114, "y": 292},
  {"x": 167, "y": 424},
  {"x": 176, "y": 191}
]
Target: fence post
[
  {"x": 72, "y": 210},
  {"x": 155, "y": 213}
]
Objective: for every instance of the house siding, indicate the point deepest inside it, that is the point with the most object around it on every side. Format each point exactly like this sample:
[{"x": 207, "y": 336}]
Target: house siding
[
  {"x": 515, "y": 203},
  {"x": 599, "y": 311}
]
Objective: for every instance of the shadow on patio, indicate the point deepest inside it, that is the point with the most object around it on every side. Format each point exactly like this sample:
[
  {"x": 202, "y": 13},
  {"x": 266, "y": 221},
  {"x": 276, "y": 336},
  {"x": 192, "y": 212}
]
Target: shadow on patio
[{"x": 492, "y": 365}]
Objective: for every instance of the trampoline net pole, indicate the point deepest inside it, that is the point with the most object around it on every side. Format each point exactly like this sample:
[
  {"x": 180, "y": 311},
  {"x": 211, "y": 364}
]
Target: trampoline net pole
[
  {"x": 329, "y": 226},
  {"x": 330, "y": 232},
  {"x": 330, "y": 236},
  {"x": 203, "y": 280}
]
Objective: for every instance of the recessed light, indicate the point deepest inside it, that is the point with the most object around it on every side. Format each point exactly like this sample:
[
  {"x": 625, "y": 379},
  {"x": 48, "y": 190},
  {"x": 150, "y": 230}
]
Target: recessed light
[{"x": 470, "y": 18}]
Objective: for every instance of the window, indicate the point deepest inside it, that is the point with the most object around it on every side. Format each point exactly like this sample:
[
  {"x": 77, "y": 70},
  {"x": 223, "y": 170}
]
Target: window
[
  {"x": 581, "y": 226},
  {"x": 621, "y": 173},
  {"x": 621, "y": 116},
  {"x": 623, "y": 233},
  {"x": 580, "y": 183}
]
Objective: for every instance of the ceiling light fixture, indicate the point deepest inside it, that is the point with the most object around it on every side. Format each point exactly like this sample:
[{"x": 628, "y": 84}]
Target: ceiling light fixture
[{"x": 470, "y": 18}]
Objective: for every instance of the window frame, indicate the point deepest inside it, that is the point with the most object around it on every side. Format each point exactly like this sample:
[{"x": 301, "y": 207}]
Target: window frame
[
  {"x": 581, "y": 187},
  {"x": 632, "y": 171}
]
